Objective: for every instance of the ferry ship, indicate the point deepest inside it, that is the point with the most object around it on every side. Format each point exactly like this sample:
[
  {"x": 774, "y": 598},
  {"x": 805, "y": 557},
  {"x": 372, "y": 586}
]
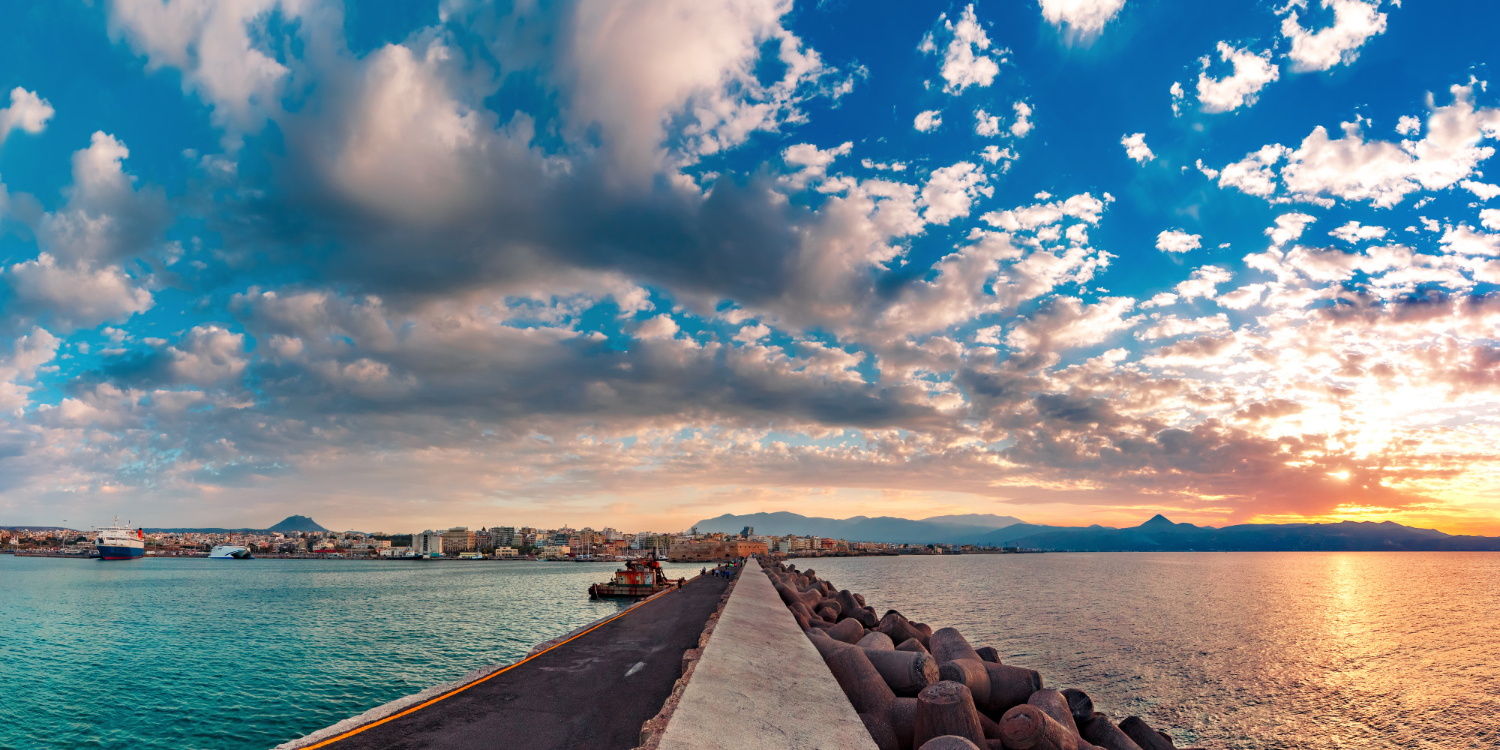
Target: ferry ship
[
  {"x": 230, "y": 552},
  {"x": 120, "y": 542}
]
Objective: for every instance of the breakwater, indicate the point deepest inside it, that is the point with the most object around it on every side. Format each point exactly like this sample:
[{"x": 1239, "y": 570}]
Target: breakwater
[{"x": 918, "y": 687}]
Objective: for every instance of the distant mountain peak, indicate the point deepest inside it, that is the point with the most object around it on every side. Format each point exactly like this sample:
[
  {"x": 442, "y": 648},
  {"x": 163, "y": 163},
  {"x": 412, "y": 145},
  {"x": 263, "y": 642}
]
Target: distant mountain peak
[
  {"x": 1159, "y": 520},
  {"x": 297, "y": 523}
]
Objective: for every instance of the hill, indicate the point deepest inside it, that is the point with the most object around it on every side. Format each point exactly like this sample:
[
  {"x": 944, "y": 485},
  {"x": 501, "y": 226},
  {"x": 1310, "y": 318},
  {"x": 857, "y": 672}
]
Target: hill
[
  {"x": 863, "y": 528},
  {"x": 1161, "y": 534},
  {"x": 297, "y": 523}
]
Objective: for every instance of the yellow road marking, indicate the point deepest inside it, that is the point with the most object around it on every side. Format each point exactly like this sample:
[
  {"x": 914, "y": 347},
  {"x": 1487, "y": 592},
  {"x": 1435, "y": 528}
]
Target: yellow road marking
[{"x": 460, "y": 689}]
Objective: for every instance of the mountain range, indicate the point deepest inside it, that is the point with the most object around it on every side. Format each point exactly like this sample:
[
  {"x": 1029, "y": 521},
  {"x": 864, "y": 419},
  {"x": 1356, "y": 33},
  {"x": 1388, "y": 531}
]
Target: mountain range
[
  {"x": 1157, "y": 534},
  {"x": 290, "y": 524}
]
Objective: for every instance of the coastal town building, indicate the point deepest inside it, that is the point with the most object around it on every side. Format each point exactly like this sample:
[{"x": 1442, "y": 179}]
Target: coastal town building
[
  {"x": 428, "y": 542},
  {"x": 714, "y": 548},
  {"x": 458, "y": 539}
]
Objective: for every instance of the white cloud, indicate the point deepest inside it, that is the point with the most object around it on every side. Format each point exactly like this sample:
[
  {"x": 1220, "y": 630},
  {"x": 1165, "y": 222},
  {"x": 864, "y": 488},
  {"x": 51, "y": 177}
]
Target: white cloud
[
  {"x": 1083, "y": 17},
  {"x": 1203, "y": 283},
  {"x": 1490, "y": 218},
  {"x": 1066, "y": 323},
  {"x": 1382, "y": 172},
  {"x": 1288, "y": 228},
  {"x": 77, "y": 295},
  {"x": 224, "y": 50},
  {"x": 1177, "y": 241},
  {"x": 1207, "y": 171},
  {"x": 1242, "y": 298},
  {"x": 1251, "y": 73},
  {"x": 1256, "y": 173},
  {"x": 1022, "y": 125},
  {"x": 28, "y": 352},
  {"x": 964, "y": 65},
  {"x": 1136, "y": 148},
  {"x": 1354, "y": 22},
  {"x": 950, "y": 191},
  {"x": 993, "y": 154},
  {"x": 105, "y": 218},
  {"x": 895, "y": 166},
  {"x": 752, "y": 334},
  {"x": 928, "y": 121},
  {"x": 1408, "y": 125},
  {"x": 812, "y": 160},
  {"x": 986, "y": 124},
  {"x": 659, "y": 327},
  {"x": 27, "y": 111},
  {"x": 1171, "y": 325},
  {"x": 208, "y": 354},
  {"x": 1355, "y": 232},
  {"x": 1485, "y": 191},
  {"x": 1177, "y": 96}
]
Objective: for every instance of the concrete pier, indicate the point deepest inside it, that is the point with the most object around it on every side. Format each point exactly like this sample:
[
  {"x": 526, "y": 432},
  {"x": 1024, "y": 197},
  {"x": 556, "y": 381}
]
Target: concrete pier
[
  {"x": 761, "y": 684},
  {"x": 593, "y": 691}
]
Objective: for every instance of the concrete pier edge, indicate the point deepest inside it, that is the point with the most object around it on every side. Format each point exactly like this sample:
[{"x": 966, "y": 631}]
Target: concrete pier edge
[
  {"x": 401, "y": 704},
  {"x": 760, "y": 684}
]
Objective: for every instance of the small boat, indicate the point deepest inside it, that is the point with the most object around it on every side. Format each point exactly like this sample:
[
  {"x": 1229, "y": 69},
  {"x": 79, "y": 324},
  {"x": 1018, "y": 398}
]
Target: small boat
[
  {"x": 230, "y": 552},
  {"x": 639, "y": 578},
  {"x": 120, "y": 542}
]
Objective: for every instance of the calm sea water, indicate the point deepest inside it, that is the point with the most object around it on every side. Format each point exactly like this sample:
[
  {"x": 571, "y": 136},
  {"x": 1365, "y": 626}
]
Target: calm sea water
[
  {"x": 1232, "y": 650},
  {"x": 1240, "y": 650},
  {"x": 193, "y": 653}
]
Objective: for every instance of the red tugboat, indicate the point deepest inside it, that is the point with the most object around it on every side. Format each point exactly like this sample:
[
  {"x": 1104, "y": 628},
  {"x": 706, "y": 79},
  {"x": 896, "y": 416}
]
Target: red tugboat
[{"x": 639, "y": 578}]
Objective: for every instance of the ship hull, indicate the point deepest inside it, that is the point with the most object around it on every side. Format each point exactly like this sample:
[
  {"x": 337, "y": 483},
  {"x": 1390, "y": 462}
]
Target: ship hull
[{"x": 113, "y": 552}]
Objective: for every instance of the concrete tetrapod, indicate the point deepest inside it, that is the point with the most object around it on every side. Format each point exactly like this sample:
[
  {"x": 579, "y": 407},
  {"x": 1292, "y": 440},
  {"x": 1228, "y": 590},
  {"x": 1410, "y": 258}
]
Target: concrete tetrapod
[
  {"x": 913, "y": 645},
  {"x": 947, "y": 644},
  {"x": 860, "y": 680},
  {"x": 876, "y": 641},
  {"x": 1055, "y": 705},
  {"x": 971, "y": 673},
  {"x": 949, "y": 742},
  {"x": 947, "y": 708},
  {"x": 849, "y": 631},
  {"x": 1100, "y": 731},
  {"x": 1144, "y": 735},
  {"x": 907, "y": 673},
  {"x": 1026, "y": 727},
  {"x": 1079, "y": 704},
  {"x": 881, "y": 730},
  {"x": 988, "y": 653},
  {"x": 899, "y": 629},
  {"x": 1009, "y": 687}
]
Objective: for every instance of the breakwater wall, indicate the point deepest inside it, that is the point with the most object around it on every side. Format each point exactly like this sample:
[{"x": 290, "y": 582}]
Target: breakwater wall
[{"x": 914, "y": 687}]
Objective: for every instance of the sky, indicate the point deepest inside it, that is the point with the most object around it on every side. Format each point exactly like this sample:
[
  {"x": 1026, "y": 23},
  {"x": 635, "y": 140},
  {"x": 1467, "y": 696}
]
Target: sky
[{"x": 635, "y": 263}]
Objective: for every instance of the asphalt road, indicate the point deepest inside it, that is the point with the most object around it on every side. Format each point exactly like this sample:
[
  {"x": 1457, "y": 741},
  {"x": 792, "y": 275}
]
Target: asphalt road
[{"x": 593, "y": 692}]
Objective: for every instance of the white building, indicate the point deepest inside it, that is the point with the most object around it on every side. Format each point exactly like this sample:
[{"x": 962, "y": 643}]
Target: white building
[
  {"x": 428, "y": 542},
  {"x": 556, "y": 550},
  {"x": 505, "y": 552}
]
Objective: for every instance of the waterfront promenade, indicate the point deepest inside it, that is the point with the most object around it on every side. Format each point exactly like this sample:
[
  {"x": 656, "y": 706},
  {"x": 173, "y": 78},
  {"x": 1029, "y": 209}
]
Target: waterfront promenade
[{"x": 594, "y": 691}]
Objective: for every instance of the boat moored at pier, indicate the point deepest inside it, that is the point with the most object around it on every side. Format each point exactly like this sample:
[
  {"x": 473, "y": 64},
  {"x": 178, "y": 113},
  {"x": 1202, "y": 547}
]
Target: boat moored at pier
[
  {"x": 639, "y": 578},
  {"x": 230, "y": 552}
]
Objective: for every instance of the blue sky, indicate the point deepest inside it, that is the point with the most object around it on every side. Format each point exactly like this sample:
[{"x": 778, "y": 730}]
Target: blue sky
[{"x": 640, "y": 263}]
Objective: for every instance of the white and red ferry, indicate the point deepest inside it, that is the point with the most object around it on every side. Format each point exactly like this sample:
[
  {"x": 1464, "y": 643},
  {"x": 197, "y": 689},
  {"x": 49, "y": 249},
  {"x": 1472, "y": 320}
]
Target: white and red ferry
[{"x": 120, "y": 542}]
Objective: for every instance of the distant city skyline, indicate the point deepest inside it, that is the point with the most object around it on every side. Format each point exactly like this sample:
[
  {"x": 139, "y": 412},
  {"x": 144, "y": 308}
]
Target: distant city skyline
[{"x": 400, "y": 265}]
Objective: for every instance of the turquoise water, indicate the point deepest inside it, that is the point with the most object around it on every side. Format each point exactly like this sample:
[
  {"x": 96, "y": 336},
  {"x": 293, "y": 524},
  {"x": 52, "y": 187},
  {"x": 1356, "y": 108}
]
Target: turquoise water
[{"x": 193, "y": 653}]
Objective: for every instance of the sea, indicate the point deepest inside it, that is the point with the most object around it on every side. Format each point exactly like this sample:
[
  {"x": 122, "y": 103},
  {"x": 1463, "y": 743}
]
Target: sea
[{"x": 1220, "y": 650}]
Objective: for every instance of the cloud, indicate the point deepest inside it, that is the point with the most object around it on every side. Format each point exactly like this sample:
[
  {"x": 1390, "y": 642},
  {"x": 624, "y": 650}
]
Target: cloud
[
  {"x": 1136, "y": 148},
  {"x": 1384, "y": 173},
  {"x": 1482, "y": 190},
  {"x": 1177, "y": 241},
  {"x": 1354, "y": 22},
  {"x": 964, "y": 61},
  {"x": 28, "y": 352},
  {"x": 1490, "y": 217},
  {"x": 1203, "y": 283},
  {"x": 1067, "y": 323},
  {"x": 27, "y": 111},
  {"x": 1289, "y": 227},
  {"x": 986, "y": 124},
  {"x": 1353, "y": 232},
  {"x": 950, "y": 191},
  {"x": 77, "y": 295},
  {"x": 1083, "y": 17},
  {"x": 1251, "y": 73},
  {"x": 813, "y": 162},
  {"x": 1256, "y": 173},
  {"x": 1022, "y": 125},
  {"x": 994, "y": 154},
  {"x": 1177, "y": 96},
  {"x": 928, "y": 121},
  {"x": 106, "y": 218}
]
